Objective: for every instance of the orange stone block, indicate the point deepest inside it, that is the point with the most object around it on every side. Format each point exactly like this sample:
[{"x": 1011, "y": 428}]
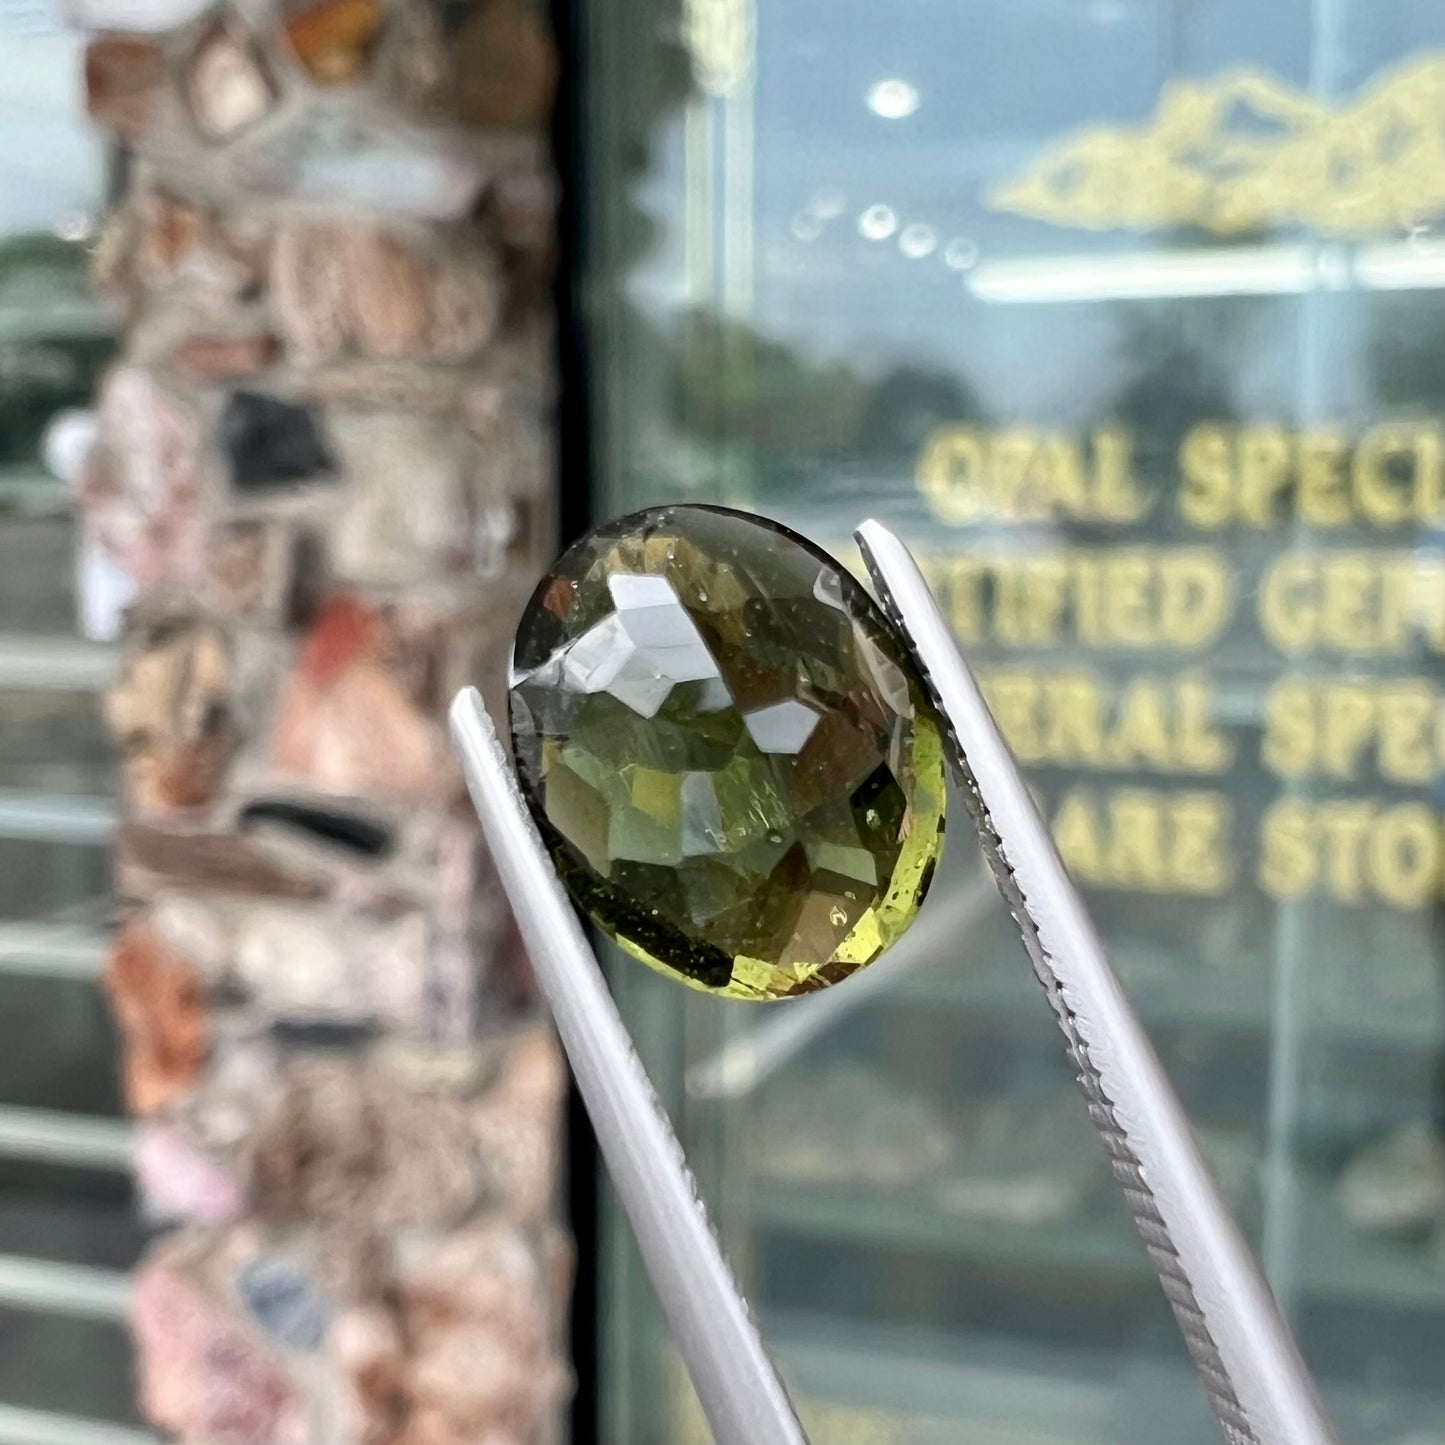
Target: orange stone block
[
  {"x": 506, "y": 65},
  {"x": 124, "y": 79},
  {"x": 170, "y": 710},
  {"x": 346, "y": 723},
  {"x": 334, "y": 40},
  {"x": 158, "y": 998},
  {"x": 220, "y": 358}
]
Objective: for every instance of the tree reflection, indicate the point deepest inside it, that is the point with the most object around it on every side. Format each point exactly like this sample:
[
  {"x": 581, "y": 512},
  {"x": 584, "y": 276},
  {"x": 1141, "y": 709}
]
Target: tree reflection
[{"x": 748, "y": 411}]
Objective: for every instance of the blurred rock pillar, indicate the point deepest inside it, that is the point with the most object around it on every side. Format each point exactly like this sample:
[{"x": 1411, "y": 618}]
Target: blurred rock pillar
[{"x": 323, "y": 487}]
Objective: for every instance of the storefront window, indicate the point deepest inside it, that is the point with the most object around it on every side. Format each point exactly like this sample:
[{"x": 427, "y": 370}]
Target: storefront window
[{"x": 1130, "y": 317}]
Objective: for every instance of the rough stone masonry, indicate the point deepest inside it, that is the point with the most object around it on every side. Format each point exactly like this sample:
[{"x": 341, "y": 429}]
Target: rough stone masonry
[{"x": 324, "y": 480}]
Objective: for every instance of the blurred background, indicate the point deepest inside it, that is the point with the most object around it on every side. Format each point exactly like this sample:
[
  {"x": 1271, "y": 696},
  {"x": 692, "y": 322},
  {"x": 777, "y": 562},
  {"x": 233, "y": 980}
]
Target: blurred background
[{"x": 322, "y": 324}]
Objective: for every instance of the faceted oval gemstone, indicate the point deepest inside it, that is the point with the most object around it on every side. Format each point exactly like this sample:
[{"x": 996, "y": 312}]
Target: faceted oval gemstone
[{"x": 727, "y": 751}]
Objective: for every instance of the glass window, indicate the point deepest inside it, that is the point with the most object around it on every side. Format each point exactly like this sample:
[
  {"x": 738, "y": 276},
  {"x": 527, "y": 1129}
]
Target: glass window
[
  {"x": 54, "y": 333},
  {"x": 1130, "y": 316},
  {"x": 68, "y": 1233}
]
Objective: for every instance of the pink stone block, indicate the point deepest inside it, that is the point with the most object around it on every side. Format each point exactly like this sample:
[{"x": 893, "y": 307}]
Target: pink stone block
[{"x": 176, "y": 1181}]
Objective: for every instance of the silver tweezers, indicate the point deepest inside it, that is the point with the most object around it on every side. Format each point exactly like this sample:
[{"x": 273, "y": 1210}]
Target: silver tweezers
[{"x": 1257, "y": 1384}]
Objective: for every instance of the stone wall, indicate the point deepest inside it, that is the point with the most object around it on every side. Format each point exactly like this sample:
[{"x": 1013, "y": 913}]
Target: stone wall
[{"x": 322, "y": 488}]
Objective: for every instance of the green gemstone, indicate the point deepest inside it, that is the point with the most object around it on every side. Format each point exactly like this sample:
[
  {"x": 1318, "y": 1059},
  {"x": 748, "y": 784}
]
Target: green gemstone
[{"x": 727, "y": 751}]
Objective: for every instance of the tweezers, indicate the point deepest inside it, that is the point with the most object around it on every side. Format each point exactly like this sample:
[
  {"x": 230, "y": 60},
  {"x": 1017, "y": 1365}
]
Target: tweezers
[{"x": 1257, "y": 1384}]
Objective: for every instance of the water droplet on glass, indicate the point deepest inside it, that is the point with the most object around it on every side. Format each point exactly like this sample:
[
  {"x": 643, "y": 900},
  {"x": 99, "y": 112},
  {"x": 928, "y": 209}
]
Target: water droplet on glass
[
  {"x": 837, "y": 917},
  {"x": 828, "y": 203},
  {"x": 806, "y": 226},
  {"x": 892, "y": 98},
  {"x": 877, "y": 223},
  {"x": 917, "y": 241},
  {"x": 960, "y": 254}
]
